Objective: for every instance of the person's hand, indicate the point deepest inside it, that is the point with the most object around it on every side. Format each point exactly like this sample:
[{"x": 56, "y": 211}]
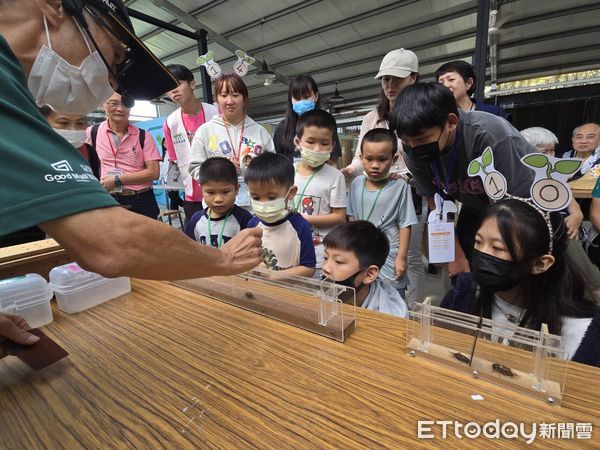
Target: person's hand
[
  {"x": 14, "y": 328},
  {"x": 108, "y": 183},
  {"x": 244, "y": 251},
  {"x": 348, "y": 172},
  {"x": 573, "y": 222},
  {"x": 400, "y": 267},
  {"x": 459, "y": 265}
]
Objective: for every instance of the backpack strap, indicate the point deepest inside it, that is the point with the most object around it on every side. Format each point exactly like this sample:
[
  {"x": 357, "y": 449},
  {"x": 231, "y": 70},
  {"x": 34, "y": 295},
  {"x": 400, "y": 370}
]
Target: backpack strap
[
  {"x": 142, "y": 138},
  {"x": 94, "y": 134}
]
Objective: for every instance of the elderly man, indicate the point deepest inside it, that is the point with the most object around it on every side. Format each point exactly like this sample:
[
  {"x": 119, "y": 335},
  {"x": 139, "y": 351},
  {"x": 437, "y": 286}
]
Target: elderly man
[
  {"x": 71, "y": 55},
  {"x": 586, "y": 145}
]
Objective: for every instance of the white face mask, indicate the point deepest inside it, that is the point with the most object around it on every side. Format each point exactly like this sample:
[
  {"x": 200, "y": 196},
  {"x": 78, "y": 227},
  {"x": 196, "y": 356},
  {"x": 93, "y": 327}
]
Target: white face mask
[
  {"x": 314, "y": 158},
  {"x": 271, "y": 211},
  {"x": 65, "y": 87},
  {"x": 75, "y": 137}
]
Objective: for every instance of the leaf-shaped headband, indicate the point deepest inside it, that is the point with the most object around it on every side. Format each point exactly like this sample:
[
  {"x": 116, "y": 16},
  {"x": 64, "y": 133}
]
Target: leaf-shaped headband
[{"x": 240, "y": 67}]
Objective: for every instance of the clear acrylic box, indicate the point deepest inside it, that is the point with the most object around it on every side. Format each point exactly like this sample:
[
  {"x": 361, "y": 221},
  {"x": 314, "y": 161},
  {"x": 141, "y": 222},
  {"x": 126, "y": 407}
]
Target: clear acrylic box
[{"x": 529, "y": 361}]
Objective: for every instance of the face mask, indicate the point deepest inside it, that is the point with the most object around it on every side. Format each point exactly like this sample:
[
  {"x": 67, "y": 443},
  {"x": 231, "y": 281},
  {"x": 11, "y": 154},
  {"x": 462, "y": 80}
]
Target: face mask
[
  {"x": 75, "y": 137},
  {"x": 426, "y": 153},
  {"x": 67, "y": 88},
  {"x": 313, "y": 158},
  {"x": 304, "y": 106},
  {"x": 271, "y": 211},
  {"x": 494, "y": 274},
  {"x": 348, "y": 282}
]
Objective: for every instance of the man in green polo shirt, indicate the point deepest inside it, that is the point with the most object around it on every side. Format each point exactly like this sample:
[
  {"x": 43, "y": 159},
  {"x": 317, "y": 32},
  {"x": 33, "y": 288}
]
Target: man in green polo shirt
[{"x": 68, "y": 54}]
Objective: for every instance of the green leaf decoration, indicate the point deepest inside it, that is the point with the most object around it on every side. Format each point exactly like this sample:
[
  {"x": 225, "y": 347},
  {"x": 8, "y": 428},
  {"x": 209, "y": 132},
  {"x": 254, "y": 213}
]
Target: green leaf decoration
[
  {"x": 537, "y": 160},
  {"x": 474, "y": 168},
  {"x": 209, "y": 55},
  {"x": 201, "y": 60},
  {"x": 249, "y": 59},
  {"x": 567, "y": 167},
  {"x": 487, "y": 157},
  {"x": 240, "y": 54}
]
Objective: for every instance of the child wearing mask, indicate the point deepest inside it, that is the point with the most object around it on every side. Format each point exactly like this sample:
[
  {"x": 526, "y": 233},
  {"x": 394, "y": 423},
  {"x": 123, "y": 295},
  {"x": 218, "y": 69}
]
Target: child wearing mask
[
  {"x": 222, "y": 219},
  {"x": 321, "y": 197},
  {"x": 522, "y": 275},
  {"x": 384, "y": 202},
  {"x": 287, "y": 237},
  {"x": 353, "y": 261}
]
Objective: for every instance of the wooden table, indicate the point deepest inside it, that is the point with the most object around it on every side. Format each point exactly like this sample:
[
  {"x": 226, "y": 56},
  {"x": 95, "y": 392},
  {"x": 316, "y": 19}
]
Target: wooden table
[
  {"x": 137, "y": 361},
  {"x": 583, "y": 187}
]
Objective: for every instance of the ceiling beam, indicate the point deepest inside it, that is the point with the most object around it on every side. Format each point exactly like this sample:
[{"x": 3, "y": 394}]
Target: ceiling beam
[{"x": 195, "y": 24}]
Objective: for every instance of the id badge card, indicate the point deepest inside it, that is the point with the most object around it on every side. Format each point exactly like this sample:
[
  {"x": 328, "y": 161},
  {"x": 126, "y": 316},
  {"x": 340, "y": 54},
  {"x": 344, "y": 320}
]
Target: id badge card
[
  {"x": 119, "y": 172},
  {"x": 441, "y": 242},
  {"x": 440, "y": 232}
]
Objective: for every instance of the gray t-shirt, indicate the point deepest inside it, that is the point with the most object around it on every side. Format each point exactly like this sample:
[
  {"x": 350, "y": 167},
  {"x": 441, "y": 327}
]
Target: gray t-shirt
[
  {"x": 383, "y": 297},
  {"x": 476, "y": 131},
  {"x": 393, "y": 210}
]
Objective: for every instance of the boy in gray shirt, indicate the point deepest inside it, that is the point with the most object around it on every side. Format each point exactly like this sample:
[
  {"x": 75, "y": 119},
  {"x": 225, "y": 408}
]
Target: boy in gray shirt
[{"x": 355, "y": 252}]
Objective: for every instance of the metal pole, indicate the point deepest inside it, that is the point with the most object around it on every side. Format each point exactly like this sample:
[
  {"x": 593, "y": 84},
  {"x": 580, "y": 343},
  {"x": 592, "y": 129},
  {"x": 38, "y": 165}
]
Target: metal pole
[
  {"x": 481, "y": 47},
  {"x": 202, "y": 49}
]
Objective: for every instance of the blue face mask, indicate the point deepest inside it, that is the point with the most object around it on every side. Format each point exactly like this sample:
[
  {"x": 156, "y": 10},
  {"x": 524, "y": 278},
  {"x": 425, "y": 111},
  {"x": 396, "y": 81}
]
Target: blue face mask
[{"x": 303, "y": 106}]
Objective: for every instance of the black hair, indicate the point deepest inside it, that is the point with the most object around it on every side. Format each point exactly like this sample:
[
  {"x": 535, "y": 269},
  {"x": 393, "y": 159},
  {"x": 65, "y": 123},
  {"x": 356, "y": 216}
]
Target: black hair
[
  {"x": 547, "y": 296},
  {"x": 369, "y": 244},
  {"x": 421, "y": 106},
  {"x": 181, "y": 72},
  {"x": 218, "y": 169},
  {"x": 270, "y": 168},
  {"x": 463, "y": 68},
  {"x": 46, "y": 111},
  {"x": 302, "y": 86},
  {"x": 380, "y": 135},
  {"x": 315, "y": 118},
  {"x": 383, "y": 103}
]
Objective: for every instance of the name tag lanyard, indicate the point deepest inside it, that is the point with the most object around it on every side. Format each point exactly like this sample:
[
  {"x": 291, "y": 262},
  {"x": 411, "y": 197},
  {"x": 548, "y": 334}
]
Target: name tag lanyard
[
  {"x": 220, "y": 237},
  {"x": 235, "y": 156},
  {"x": 362, "y": 200},
  {"x": 296, "y": 206},
  {"x": 449, "y": 173}
]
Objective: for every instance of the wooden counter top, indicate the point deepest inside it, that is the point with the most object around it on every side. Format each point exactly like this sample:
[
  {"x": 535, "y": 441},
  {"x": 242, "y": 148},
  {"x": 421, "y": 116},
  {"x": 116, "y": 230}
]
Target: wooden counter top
[
  {"x": 135, "y": 362},
  {"x": 583, "y": 187}
]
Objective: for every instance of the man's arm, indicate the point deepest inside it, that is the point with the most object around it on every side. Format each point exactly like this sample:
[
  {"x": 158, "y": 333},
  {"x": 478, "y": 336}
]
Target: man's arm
[
  {"x": 403, "y": 242},
  {"x": 115, "y": 242},
  {"x": 150, "y": 173}
]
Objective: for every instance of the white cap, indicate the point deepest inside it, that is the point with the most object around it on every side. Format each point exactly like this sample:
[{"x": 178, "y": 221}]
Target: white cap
[{"x": 398, "y": 63}]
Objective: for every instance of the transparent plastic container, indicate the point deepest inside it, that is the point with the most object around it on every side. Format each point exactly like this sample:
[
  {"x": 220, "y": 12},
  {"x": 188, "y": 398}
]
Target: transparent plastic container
[
  {"x": 77, "y": 290},
  {"x": 27, "y": 296}
]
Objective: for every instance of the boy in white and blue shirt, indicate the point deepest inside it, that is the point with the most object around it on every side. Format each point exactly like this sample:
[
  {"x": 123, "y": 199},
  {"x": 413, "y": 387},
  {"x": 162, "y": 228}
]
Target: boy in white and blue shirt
[
  {"x": 287, "y": 237},
  {"x": 222, "y": 219}
]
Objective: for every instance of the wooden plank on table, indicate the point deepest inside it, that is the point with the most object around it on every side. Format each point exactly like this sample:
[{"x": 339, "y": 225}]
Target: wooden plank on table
[
  {"x": 137, "y": 361},
  {"x": 18, "y": 252},
  {"x": 583, "y": 187}
]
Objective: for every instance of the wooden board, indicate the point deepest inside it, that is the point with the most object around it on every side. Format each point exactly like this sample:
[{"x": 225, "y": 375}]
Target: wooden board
[
  {"x": 583, "y": 187},
  {"x": 135, "y": 362},
  {"x": 32, "y": 257}
]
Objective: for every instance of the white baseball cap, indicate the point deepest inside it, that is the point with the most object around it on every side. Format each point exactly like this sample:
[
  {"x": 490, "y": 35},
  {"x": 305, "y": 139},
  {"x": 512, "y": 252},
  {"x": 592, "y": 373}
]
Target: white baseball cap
[{"x": 398, "y": 63}]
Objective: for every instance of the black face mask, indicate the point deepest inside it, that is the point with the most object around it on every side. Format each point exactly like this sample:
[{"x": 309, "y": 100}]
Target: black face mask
[
  {"x": 494, "y": 274},
  {"x": 348, "y": 282},
  {"x": 426, "y": 153}
]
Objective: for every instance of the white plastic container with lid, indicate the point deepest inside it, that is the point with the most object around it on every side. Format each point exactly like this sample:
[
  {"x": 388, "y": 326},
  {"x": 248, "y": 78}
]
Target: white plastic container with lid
[
  {"x": 27, "y": 296},
  {"x": 77, "y": 290}
]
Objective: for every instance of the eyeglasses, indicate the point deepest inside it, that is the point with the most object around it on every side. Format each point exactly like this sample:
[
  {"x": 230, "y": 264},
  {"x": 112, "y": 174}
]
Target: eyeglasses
[
  {"x": 128, "y": 57},
  {"x": 114, "y": 104}
]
